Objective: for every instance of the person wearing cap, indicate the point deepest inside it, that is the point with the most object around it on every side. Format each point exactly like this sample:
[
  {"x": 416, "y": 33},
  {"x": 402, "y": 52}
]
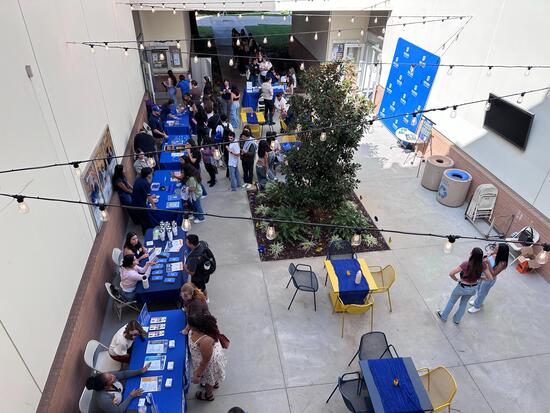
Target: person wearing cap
[{"x": 155, "y": 123}]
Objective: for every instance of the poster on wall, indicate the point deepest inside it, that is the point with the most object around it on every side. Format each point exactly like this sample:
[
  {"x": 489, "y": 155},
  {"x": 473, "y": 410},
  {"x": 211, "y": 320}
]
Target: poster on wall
[
  {"x": 408, "y": 86},
  {"x": 97, "y": 175},
  {"x": 337, "y": 51}
]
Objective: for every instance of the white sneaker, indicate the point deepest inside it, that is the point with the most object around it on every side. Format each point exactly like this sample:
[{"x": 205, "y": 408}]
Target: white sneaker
[
  {"x": 472, "y": 300},
  {"x": 198, "y": 221},
  {"x": 244, "y": 185},
  {"x": 473, "y": 310}
]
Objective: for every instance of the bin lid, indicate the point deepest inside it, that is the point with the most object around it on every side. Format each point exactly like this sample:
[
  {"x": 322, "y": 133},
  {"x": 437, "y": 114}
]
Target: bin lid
[{"x": 458, "y": 175}]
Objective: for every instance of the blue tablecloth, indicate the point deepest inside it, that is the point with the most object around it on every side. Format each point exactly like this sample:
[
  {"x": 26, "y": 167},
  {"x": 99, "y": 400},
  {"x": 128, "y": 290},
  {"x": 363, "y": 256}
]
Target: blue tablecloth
[
  {"x": 160, "y": 292},
  {"x": 167, "y": 160},
  {"x": 349, "y": 292},
  {"x": 287, "y": 146},
  {"x": 169, "y": 399},
  {"x": 169, "y": 191},
  {"x": 179, "y": 127},
  {"x": 252, "y": 118},
  {"x": 395, "y": 399},
  {"x": 250, "y": 99}
]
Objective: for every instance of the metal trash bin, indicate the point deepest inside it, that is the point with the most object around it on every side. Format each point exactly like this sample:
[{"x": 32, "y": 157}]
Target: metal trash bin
[
  {"x": 454, "y": 187},
  {"x": 433, "y": 171}
]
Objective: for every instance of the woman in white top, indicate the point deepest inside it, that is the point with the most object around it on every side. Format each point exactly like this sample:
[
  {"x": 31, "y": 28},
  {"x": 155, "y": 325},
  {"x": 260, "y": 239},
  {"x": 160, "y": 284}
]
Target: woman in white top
[
  {"x": 130, "y": 274},
  {"x": 292, "y": 82},
  {"x": 142, "y": 161},
  {"x": 121, "y": 343}
]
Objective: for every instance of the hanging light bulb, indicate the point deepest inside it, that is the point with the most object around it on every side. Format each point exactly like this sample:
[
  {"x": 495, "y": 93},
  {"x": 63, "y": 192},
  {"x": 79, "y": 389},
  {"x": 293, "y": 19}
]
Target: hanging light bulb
[
  {"x": 356, "y": 238},
  {"x": 284, "y": 17},
  {"x": 487, "y": 106},
  {"x": 352, "y": 19},
  {"x": 376, "y": 20},
  {"x": 404, "y": 25},
  {"x": 141, "y": 5},
  {"x": 450, "y": 71},
  {"x": 178, "y": 45},
  {"x": 270, "y": 234},
  {"x": 307, "y": 19},
  {"x": 240, "y": 16},
  {"x": 291, "y": 38},
  {"x": 362, "y": 32},
  {"x": 218, "y": 15},
  {"x": 383, "y": 30},
  {"x": 151, "y": 162},
  {"x": 125, "y": 51},
  {"x": 103, "y": 214},
  {"x": 21, "y": 204},
  {"x": 323, "y": 136},
  {"x": 453, "y": 112},
  {"x": 265, "y": 40},
  {"x": 174, "y": 11},
  {"x": 413, "y": 120},
  {"x": 490, "y": 71},
  {"x": 263, "y": 17},
  {"x": 217, "y": 154},
  {"x": 329, "y": 19},
  {"x": 302, "y": 66},
  {"x": 184, "y": 5},
  {"x": 196, "y": 59},
  {"x": 339, "y": 33},
  {"x": 131, "y": 6},
  {"x": 448, "y": 247},
  {"x": 152, "y": 9},
  {"x": 163, "y": 5},
  {"x": 520, "y": 98},
  {"x": 238, "y": 42},
  {"x": 528, "y": 71},
  {"x": 196, "y": 13},
  {"x": 92, "y": 48},
  {"x": 316, "y": 36},
  {"x": 161, "y": 56},
  {"x": 141, "y": 46},
  {"x": 231, "y": 62},
  {"x": 77, "y": 171},
  {"x": 209, "y": 44},
  {"x": 186, "y": 223},
  {"x": 542, "y": 257},
  {"x": 106, "y": 46}
]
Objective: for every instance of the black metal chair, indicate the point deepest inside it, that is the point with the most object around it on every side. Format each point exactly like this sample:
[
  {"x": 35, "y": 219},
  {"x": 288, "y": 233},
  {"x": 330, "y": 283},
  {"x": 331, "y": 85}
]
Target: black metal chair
[
  {"x": 304, "y": 280},
  {"x": 354, "y": 393},
  {"x": 339, "y": 249},
  {"x": 374, "y": 345}
]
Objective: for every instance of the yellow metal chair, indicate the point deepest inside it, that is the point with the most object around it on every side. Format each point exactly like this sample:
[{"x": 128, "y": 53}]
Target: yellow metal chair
[
  {"x": 288, "y": 138},
  {"x": 384, "y": 277},
  {"x": 256, "y": 130},
  {"x": 440, "y": 386},
  {"x": 284, "y": 126},
  {"x": 246, "y": 110},
  {"x": 358, "y": 309}
]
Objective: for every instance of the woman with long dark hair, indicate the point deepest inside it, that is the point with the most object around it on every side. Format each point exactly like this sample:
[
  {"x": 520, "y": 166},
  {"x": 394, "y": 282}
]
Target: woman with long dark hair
[
  {"x": 469, "y": 275},
  {"x": 192, "y": 179},
  {"x": 132, "y": 246},
  {"x": 122, "y": 186},
  {"x": 170, "y": 85},
  {"x": 235, "y": 105},
  {"x": 208, "y": 160},
  {"x": 207, "y": 354},
  {"x": 496, "y": 262}
]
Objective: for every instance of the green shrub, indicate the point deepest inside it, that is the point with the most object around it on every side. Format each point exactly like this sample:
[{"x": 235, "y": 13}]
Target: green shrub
[
  {"x": 290, "y": 232},
  {"x": 369, "y": 240},
  {"x": 349, "y": 214},
  {"x": 276, "y": 249},
  {"x": 263, "y": 210},
  {"x": 307, "y": 245}
]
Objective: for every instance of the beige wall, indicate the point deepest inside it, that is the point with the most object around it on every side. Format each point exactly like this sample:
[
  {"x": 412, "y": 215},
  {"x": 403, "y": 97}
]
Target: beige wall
[
  {"x": 57, "y": 115},
  {"x": 316, "y": 23},
  {"x": 339, "y": 21}
]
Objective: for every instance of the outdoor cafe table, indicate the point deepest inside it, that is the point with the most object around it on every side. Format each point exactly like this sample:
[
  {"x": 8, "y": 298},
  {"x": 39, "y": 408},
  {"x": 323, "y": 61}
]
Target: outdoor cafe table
[
  {"x": 168, "y": 399},
  {"x": 161, "y": 291},
  {"x": 171, "y": 159},
  {"x": 251, "y": 97},
  {"x": 168, "y": 191},
  {"x": 179, "y": 126},
  {"x": 407, "y": 395},
  {"x": 344, "y": 286}
]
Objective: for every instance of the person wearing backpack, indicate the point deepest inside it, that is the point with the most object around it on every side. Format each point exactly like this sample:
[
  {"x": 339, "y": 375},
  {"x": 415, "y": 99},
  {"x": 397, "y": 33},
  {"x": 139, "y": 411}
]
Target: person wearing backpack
[
  {"x": 247, "y": 158},
  {"x": 200, "y": 263},
  {"x": 223, "y": 129}
]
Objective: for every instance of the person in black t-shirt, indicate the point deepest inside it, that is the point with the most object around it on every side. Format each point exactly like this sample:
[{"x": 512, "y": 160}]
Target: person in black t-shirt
[
  {"x": 145, "y": 142},
  {"x": 194, "y": 263}
]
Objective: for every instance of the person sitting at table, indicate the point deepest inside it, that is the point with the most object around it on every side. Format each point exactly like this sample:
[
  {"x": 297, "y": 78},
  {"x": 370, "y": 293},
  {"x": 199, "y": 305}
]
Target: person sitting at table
[
  {"x": 184, "y": 86},
  {"x": 133, "y": 246},
  {"x": 142, "y": 161},
  {"x": 273, "y": 76},
  {"x": 207, "y": 356},
  {"x": 121, "y": 343},
  {"x": 121, "y": 185},
  {"x": 157, "y": 127},
  {"x": 193, "y": 301},
  {"x": 167, "y": 111},
  {"x": 267, "y": 93},
  {"x": 130, "y": 274},
  {"x": 140, "y": 195},
  {"x": 108, "y": 390}
]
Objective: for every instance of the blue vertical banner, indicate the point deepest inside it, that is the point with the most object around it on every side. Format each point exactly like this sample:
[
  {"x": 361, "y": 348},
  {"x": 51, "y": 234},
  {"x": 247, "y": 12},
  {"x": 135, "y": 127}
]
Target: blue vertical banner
[{"x": 408, "y": 86}]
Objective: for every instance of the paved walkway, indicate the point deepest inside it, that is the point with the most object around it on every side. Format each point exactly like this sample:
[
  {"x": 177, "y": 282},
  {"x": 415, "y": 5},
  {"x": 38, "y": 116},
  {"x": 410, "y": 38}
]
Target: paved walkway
[{"x": 284, "y": 361}]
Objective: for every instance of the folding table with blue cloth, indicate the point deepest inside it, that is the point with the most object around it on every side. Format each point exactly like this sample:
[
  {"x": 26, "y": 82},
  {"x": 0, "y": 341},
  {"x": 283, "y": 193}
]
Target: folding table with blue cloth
[
  {"x": 164, "y": 282},
  {"x": 168, "y": 191},
  {"x": 179, "y": 126},
  {"x": 341, "y": 273},
  {"x": 394, "y": 386},
  {"x": 166, "y": 399},
  {"x": 251, "y": 97},
  {"x": 170, "y": 158}
]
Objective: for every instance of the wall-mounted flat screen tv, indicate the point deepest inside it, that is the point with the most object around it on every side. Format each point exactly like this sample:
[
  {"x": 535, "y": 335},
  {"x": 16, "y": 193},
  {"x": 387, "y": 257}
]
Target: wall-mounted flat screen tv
[{"x": 509, "y": 121}]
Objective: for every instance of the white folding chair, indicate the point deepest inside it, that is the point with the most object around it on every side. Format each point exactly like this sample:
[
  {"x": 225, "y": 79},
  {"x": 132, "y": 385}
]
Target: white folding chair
[
  {"x": 97, "y": 357},
  {"x": 117, "y": 256},
  {"x": 85, "y": 400},
  {"x": 118, "y": 303}
]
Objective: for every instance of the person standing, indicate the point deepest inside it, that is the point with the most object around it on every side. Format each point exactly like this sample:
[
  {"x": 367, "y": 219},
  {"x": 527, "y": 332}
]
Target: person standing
[
  {"x": 496, "y": 262},
  {"x": 267, "y": 93},
  {"x": 291, "y": 81},
  {"x": 184, "y": 86},
  {"x": 196, "y": 93},
  {"x": 281, "y": 106},
  {"x": 208, "y": 160},
  {"x": 194, "y": 265},
  {"x": 207, "y": 355},
  {"x": 234, "y": 113},
  {"x": 234, "y": 151},
  {"x": 226, "y": 96},
  {"x": 469, "y": 274},
  {"x": 207, "y": 90},
  {"x": 170, "y": 85},
  {"x": 157, "y": 127},
  {"x": 141, "y": 193},
  {"x": 262, "y": 164},
  {"x": 248, "y": 157}
]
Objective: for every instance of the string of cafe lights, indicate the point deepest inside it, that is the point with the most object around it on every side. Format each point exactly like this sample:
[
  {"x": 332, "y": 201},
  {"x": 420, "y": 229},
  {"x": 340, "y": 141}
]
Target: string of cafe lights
[
  {"x": 542, "y": 256},
  {"x": 323, "y": 130}
]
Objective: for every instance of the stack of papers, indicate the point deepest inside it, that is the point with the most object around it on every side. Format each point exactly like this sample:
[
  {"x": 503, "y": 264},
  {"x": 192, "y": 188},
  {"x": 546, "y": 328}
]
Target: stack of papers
[
  {"x": 157, "y": 347},
  {"x": 175, "y": 266},
  {"x": 174, "y": 245},
  {"x": 150, "y": 384}
]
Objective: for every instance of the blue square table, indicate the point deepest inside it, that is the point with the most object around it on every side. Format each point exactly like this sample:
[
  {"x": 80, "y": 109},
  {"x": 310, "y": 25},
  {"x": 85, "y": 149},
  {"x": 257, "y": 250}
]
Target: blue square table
[
  {"x": 169, "y": 191},
  {"x": 179, "y": 126},
  {"x": 171, "y": 160}
]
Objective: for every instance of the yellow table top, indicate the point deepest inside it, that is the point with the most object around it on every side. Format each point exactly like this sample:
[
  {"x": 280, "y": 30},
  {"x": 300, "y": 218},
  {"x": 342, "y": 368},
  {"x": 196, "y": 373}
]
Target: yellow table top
[
  {"x": 259, "y": 115},
  {"x": 364, "y": 269}
]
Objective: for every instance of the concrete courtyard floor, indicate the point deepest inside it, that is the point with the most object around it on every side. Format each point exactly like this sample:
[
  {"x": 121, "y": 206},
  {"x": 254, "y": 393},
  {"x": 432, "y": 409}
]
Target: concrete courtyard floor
[{"x": 288, "y": 361}]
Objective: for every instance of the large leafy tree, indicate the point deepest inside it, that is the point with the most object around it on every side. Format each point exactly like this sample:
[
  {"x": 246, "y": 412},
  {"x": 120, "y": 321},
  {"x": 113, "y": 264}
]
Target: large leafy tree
[{"x": 321, "y": 174}]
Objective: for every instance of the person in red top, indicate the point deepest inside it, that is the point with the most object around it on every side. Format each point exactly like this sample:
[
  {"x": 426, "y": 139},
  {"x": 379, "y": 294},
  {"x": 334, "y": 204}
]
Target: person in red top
[{"x": 469, "y": 275}]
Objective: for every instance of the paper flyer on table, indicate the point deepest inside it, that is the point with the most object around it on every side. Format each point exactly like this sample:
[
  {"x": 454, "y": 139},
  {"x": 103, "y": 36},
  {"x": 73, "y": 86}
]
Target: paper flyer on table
[
  {"x": 157, "y": 347},
  {"x": 153, "y": 334},
  {"x": 157, "y": 320},
  {"x": 155, "y": 327},
  {"x": 174, "y": 245},
  {"x": 157, "y": 362},
  {"x": 150, "y": 384},
  {"x": 175, "y": 266}
]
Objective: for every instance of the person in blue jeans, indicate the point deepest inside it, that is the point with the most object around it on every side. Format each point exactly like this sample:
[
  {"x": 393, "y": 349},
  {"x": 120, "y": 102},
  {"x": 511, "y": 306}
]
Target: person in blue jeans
[
  {"x": 496, "y": 262},
  {"x": 234, "y": 150},
  {"x": 470, "y": 273}
]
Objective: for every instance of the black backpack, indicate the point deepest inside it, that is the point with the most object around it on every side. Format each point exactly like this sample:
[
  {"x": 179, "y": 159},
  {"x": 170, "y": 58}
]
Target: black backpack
[{"x": 208, "y": 261}]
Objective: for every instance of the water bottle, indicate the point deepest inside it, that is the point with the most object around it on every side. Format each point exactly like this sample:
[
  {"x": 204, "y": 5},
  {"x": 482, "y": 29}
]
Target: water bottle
[
  {"x": 170, "y": 234},
  {"x": 175, "y": 228},
  {"x": 145, "y": 282},
  {"x": 162, "y": 232},
  {"x": 358, "y": 277},
  {"x": 142, "y": 409},
  {"x": 156, "y": 233}
]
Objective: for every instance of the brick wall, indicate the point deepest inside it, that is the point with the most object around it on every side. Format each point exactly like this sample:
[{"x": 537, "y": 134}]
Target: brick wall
[
  {"x": 69, "y": 372},
  {"x": 508, "y": 202}
]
